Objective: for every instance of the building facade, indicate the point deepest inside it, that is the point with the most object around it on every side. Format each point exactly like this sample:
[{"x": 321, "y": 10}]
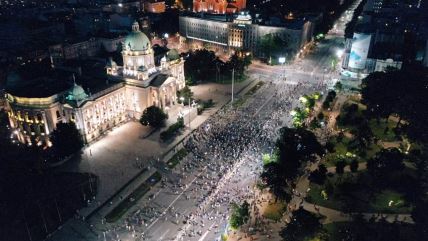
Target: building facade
[
  {"x": 219, "y": 6},
  {"x": 134, "y": 86},
  {"x": 240, "y": 32}
]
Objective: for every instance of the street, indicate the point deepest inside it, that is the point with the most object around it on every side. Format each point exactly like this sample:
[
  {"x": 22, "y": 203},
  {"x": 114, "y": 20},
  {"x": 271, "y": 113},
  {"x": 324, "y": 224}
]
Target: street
[{"x": 224, "y": 160}]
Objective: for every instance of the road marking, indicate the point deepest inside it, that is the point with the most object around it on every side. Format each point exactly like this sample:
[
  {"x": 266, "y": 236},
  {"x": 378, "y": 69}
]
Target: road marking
[
  {"x": 172, "y": 203},
  {"x": 161, "y": 237},
  {"x": 203, "y": 236}
]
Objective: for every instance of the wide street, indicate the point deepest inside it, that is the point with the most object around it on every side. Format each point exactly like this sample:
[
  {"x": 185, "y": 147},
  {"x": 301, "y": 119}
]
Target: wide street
[
  {"x": 224, "y": 160},
  {"x": 225, "y": 154}
]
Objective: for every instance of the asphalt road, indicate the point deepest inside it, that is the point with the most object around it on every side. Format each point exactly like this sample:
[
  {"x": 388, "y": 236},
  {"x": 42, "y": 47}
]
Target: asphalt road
[{"x": 193, "y": 202}]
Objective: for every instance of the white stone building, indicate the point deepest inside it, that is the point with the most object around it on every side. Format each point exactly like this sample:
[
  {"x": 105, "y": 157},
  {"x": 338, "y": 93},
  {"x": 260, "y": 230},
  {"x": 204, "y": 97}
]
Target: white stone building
[{"x": 134, "y": 87}]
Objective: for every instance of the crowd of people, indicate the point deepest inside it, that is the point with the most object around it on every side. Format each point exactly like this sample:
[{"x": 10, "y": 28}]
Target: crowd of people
[{"x": 222, "y": 166}]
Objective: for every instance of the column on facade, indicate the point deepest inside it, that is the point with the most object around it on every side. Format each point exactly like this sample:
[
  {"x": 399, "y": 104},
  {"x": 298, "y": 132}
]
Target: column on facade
[{"x": 45, "y": 122}]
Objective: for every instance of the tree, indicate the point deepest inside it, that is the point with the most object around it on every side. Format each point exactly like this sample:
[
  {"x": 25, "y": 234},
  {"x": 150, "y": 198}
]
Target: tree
[
  {"x": 66, "y": 139},
  {"x": 353, "y": 165},
  {"x": 240, "y": 214},
  {"x": 303, "y": 225},
  {"x": 363, "y": 135},
  {"x": 419, "y": 216},
  {"x": 385, "y": 162},
  {"x": 272, "y": 46},
  {"x": 196, "y": 71},
  {"x": 340, "y": 167},
  {"x": 239, "y": 63},
  {"x": 319, "y": 175},
  {"x": 153, "y": 116},
  {"x": 186, "y": 93},
  {"x": 405, "y": 97},
  {"x": 294, "y": 149}
]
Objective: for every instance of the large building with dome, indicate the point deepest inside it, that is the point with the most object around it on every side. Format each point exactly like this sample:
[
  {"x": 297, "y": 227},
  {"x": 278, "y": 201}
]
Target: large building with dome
[{"x": 126, "y": 91}]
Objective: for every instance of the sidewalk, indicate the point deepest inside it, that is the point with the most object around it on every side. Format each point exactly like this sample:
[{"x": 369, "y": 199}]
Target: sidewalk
[{"x": 123, "y": 149}]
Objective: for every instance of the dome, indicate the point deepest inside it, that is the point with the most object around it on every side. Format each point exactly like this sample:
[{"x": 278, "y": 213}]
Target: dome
[
  {"x": 76, "y": 93},
  {"x": 111, "y": 63},
  {"x": 137, "y": 40},
  {"x": 173, "y": 55}
]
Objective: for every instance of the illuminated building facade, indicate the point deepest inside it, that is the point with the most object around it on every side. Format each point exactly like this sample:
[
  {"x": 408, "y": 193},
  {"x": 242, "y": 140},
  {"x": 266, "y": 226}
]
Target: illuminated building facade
[
  {"x": 134, "y": 86},
  {"x": 240, "y": 32},
  {"x": 218, "y": 6}
]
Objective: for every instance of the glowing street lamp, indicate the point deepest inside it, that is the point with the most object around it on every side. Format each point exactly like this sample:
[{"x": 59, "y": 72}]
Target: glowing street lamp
[{"x": 339, "y": 53}]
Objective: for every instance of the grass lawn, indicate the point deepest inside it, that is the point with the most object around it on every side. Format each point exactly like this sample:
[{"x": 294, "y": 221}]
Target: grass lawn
[
  {"x": 177, "y": 158},
  {"x": 382, "y": 202},
  {"x": 378, "y": 129},
  {"x": 361, "y": 197},
  {"x": 333, "y": 230},
  {"x": 132, "y": 198},
  {"x": 274, "y": 211},
  {"x": 315, "y": 196},
  {"x": 336, "y": 231},
  {"x": 342, "y": 153}
]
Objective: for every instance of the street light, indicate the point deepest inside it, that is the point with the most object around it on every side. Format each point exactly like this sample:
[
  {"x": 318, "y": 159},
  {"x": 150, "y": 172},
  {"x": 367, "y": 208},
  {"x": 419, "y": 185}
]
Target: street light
[
  {"x": 182, "y": 101},
  {"x": 281, "y": 60},
  {"x": 339, "y": 53}
]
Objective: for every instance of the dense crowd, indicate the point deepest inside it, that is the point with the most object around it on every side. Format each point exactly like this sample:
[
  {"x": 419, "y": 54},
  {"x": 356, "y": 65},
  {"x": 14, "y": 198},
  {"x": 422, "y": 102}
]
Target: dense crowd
[{"x": 223, "y": 163}]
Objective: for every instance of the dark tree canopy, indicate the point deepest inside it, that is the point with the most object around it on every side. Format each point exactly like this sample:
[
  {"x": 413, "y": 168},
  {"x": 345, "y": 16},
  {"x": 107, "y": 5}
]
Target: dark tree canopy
[
  {"x": 385, "y": 162},
  {"x": 204, "y": 66},
  {"x": 340, "y": 167},
  {"x": 319, "y": 175},
  {"x": 294, "y": 147},
  {"x": 185, "y": 93},
  {"x": 240, "y": 214},
  {"x": 303, "y": 225},
  {"x": 153, "y": 116},
  {"x": 272, "y": 46},
  {"x": 400, "y": 92},
  {"x": 66, "y": 139}
]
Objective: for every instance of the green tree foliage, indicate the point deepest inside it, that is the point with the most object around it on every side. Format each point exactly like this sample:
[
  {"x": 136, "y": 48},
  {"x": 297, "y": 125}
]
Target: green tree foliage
[
  {"x": 172, "y": 130},
  {"x": 353, "y": 165},
  {"x": 319, "y": 175},
  {"x": 28, "y": 186},
  {"x": 405, "y": 97},
  {"x": 303, "y": 225},
  {"x": 385, "y": 162},
  {"x": 240, "y": 214},
  {"x": 363, "y": 135},
  {"x": 420, "y": 217},
  {"x": 340, "y": 167},
  {"x": 329, "y": 99},
  {"x": 361, "y": 230},
  {"x": 201, "y": 65},
  {"x": 294, "y": 149},
  {"x": 153, "y": 116},
  {"x": 239, "y": 63},
  {"x": 66, "y": 139},
  {"x": 272, "y": 46},
  {"x": 186, "y": 93}
]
